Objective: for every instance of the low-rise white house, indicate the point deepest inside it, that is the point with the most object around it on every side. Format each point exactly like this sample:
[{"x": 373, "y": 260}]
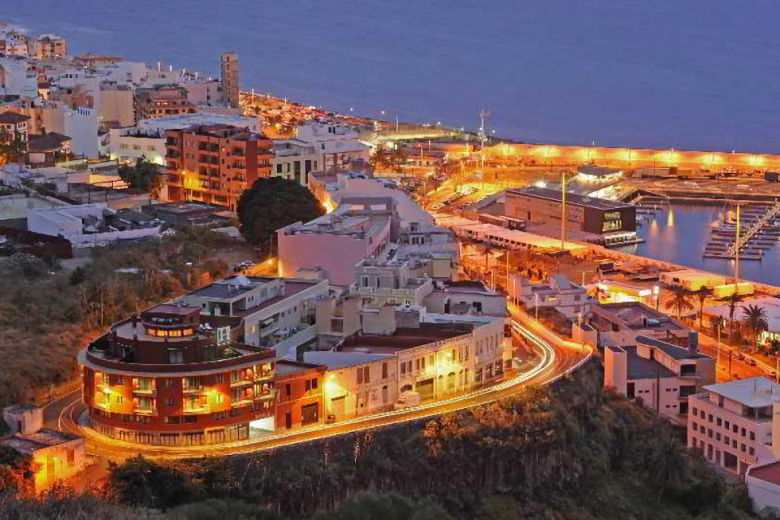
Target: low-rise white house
[
  {"x": 660, "y": 374},
  {"x": 559, "y": 293},
  {"x": 620, "y": 324},
  {"x": 318, "y": 147},
  {"x": 88, "y": 225}
]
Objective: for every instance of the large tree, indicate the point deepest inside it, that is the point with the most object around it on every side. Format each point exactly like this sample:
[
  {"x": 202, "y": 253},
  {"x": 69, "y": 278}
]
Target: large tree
[
  {"x": 144, "y": 176},
  {"x": 273, "y": 203}
]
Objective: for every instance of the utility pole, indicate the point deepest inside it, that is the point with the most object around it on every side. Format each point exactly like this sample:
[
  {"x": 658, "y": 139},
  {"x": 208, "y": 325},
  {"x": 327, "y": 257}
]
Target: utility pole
[
  {"x": 736, "y": 249},
  {"x": 483, "y": 113},
  {"x": 563, "y": 211}
]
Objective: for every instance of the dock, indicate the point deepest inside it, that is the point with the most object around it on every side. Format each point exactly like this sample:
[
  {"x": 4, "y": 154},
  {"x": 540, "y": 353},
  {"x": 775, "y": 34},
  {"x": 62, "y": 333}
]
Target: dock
[{"x": 762, "y": 231}]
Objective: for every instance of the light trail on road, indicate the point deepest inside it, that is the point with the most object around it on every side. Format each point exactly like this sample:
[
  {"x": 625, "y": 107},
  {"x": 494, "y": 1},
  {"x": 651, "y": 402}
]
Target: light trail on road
[{"x": 552, "y": 364}]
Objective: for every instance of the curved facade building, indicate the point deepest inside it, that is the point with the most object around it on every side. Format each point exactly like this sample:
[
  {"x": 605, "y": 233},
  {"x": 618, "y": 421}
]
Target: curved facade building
[{"x": 173, "y": 377}]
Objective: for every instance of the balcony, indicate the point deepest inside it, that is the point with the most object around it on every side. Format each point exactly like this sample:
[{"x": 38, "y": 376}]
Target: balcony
[
  {"x": 245, "y": 401},
  {"x": 193, "y": 389},
  {"x": 146, "y": 392},
  {"x": 194, "y": 410},
  {"x": 145, "y": 411},
  {"x": 240, "y": 383}
]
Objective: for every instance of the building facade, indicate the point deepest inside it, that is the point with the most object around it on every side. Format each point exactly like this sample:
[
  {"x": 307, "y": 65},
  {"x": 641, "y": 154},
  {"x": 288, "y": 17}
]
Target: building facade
[
  {"x": 161, "y": 101},
  {"x": 230, "y": 85},
  {"x": 299, "y": 394},
  {"x": 214, "y": 163},
  {"x": 167, "y": 377},
  {"x": 661, "y": 375},
  {"x": 612, "y": 222},
  {"x": 732, "y": 424}
]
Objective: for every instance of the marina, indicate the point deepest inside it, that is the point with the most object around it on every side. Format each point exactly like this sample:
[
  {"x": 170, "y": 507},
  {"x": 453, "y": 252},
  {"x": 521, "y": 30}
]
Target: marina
[{"x": 701, "y": 235}]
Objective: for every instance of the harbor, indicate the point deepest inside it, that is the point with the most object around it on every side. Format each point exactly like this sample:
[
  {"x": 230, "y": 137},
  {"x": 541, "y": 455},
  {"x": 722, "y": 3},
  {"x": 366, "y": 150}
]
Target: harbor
[{"x": 702, "y": 235}]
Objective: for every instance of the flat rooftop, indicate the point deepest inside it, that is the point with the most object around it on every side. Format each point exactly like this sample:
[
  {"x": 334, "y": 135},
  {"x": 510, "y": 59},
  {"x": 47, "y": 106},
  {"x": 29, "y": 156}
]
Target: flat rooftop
[
  {"x": 286, "y": 367},
  {"x": 641, "y": 368},
  {"x": 755, "y": 392},
  {"x": 672, "y": 350},
  {"x": 336, "y": 360},
  {"x": 571, "y": 198},
  {"x": 770, "y": 304},
  {"x": 43, "y": 438},
  {"x": 635, "y": 316},
  {"x": 406, "y": 337}
]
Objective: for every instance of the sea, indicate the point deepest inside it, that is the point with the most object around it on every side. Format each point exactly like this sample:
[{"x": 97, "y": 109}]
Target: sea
[{"x": 680, "y": 74}]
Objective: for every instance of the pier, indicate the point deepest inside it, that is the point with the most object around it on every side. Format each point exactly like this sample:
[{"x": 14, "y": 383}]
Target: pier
[{"x": 761, "y": 234}]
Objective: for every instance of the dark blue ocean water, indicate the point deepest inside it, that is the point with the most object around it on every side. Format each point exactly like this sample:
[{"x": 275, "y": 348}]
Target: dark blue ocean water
[{"x": 683, "y": 73}]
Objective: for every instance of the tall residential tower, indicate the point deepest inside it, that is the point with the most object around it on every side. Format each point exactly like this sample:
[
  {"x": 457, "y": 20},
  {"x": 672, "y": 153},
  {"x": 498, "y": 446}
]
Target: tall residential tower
[{"x": 230, "y": 78}]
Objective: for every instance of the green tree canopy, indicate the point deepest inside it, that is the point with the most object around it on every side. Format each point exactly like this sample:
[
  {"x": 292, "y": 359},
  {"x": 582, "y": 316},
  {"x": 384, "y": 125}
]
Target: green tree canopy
[
  {"x": 273, "y": 203},
  {"x": 145, "y": 175}
]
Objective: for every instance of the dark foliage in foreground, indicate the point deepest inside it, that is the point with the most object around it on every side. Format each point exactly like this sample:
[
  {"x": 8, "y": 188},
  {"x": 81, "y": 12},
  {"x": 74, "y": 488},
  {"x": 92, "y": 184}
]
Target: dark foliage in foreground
[{"x": 570, "y": 451}]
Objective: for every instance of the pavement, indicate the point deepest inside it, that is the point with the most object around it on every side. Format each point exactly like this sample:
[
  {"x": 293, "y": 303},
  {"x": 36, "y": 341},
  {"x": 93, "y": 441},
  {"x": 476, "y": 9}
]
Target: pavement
[{"x": 551, "y": 358}]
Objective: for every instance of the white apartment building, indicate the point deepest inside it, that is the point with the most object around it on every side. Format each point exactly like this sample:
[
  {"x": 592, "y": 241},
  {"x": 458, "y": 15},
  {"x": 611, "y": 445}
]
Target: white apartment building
[
  {"x": 275, "y": 312},
  {"x": 559, "y": 293},
  {"x": 316, "y": 147},
  {"x": 402, "y": 357},
  {"x": 621, "y": 323},
  {"x": 732, "y": 423},
  {"x": 131, "y": 144},
  {"x": 662, "y": 375}
]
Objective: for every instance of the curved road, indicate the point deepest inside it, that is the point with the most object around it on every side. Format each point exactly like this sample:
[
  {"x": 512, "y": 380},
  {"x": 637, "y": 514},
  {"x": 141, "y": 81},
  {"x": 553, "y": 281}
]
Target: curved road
[{"x": 555, "y": 357}]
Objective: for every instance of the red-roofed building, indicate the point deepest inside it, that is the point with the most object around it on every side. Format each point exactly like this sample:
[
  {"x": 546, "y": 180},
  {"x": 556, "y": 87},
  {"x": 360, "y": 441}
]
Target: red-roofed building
[{"x": 763, "y": 483}]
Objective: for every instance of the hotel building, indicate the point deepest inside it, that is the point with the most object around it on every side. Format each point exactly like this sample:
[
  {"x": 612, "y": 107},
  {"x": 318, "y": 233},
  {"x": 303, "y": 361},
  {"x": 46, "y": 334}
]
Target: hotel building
[
  {"x": 170, "y": 377},
  {"x": 214, "y": 163}
]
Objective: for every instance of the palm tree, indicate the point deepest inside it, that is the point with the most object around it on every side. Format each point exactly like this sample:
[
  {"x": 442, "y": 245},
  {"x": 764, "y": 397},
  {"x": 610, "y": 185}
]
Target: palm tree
[
  {"x": 680, "y": 301},
  {"x": 733, "y": 299},
  {"x": 702, "y": 294},
  {"x": 754, "y": 321}
]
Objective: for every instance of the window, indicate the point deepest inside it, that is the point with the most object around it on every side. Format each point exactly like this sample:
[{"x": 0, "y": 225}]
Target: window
[
  {"x": 175, "y": 355},
  {"x": 752, "y": 436},
  {"x": 743, "y": 432},
  {"x": 384, "y": 370}
]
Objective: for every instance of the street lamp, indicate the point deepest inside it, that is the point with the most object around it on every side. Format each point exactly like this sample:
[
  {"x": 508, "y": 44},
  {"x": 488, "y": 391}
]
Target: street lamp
[{"x": 536, "y": 306}]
